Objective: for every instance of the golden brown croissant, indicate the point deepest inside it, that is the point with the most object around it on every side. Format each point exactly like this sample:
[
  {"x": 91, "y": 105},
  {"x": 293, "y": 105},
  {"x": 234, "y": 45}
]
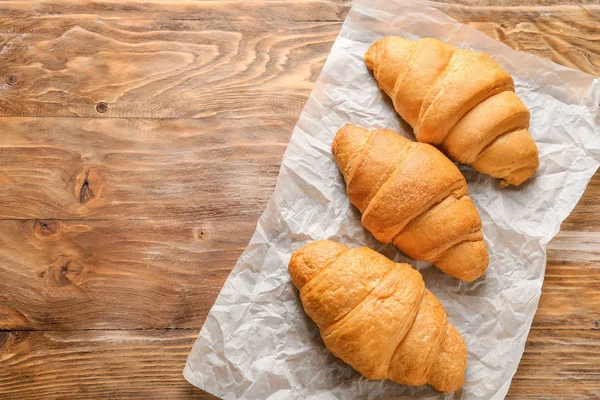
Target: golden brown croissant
[
  {"x": 411, "y": 195},
  {"x": 459, "y": 100},
  {"x": 377, "y": 316}
]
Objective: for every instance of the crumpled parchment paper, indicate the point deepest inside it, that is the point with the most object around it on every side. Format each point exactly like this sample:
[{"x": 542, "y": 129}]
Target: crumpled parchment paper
[{"x": 257, "y": 343}]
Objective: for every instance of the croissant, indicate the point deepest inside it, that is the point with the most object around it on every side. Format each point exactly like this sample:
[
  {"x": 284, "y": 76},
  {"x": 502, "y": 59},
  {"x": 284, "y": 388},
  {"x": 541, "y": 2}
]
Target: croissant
[
  {"x": 460, "y": 101},
  {"x": 411, "y": 195},
  {"x": 377, "y": 316}
]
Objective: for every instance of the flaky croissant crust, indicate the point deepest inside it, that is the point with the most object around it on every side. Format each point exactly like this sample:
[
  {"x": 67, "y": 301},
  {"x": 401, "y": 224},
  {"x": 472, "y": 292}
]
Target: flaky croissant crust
[
  {"x": 460, "y": 101},
  {"x": 377, "y": 316},
  {"x": 411, "y": 195}
]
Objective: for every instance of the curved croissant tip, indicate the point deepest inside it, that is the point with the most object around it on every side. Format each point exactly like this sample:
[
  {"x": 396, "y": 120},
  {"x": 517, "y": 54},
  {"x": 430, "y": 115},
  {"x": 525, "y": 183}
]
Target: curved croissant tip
[
  {"x": 370, "y": 55},
  {"x": 516, "y": 178},
  {"x": 339, "y": 137},
  {"x": 310, "y": 258}
]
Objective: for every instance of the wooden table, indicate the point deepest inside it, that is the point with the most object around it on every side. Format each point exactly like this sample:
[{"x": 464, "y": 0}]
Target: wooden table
[{"x": 140, "y": 142}]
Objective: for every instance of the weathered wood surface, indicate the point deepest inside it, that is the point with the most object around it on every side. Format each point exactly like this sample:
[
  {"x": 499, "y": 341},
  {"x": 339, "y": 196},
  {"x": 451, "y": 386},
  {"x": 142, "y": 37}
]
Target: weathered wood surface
[
  {"x": 120, "y": 222},
  {"x": 147, "y": 364},
  {"x": 228, "y": 10},
  {"x": 565, "y": 32},
  {"x": 130, "y": 168},
  {"x": 102, "y": 274},
  {"x": 113, "y": 364},
  {"x": 160, "y": 68}
]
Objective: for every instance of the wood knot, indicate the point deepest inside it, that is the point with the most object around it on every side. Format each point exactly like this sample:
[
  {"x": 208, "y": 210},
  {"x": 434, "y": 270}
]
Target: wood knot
[
  {"x": 47, "y": 230},
  {"x": 88, "y": 185},
  {"x": 11, "y": 318},
  {"x": 63, "y": 271},
  {"x": 597, "y": 324},
  {"x": 13, "y": 79},
  {"x": 201, "y": 234},
  {"x": 13, "y": 339},
  {"x": 102, "y": 107},
  {"x": 3, "y": 338}
]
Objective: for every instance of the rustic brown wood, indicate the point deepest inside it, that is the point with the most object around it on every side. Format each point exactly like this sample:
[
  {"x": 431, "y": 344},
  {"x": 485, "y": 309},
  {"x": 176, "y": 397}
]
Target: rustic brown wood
[
  {"x": 121, "y": 168},
  {"x": 559, "y": 364},
  {"x": 139, "y": 143},
  {"x": 161, "y": 68},
  {"x": 566, "y": 32},
  {"x": 230, "y": 10},
  {"x": 585, "y": 217},
  {"x": 110, "y": 364},
  {"x": 571, "y": 295},
  {"x": 147, "y": 364},
  {"x": 97, "y": 274}
]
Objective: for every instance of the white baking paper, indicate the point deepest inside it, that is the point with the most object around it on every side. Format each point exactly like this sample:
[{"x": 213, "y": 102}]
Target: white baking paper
[{"x": 257, "y": 343}]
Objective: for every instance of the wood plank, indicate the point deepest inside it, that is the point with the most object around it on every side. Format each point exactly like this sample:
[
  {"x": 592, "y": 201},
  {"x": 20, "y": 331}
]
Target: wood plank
[
  {"x": 564, "y": 32},
  {"x": 148, "y": 364},
  {"x": 270, "y": 10},
  {"x": 586, "y": 215},
  {"x": 570, "y": 297},
  {"x": 117, "y": 364},
  {"x": 82, "y": 274},
  {"x": 64, "y": 66},
  {"x": 559, "y": 364},
  {"x": 571, "y": 291},
  {"x": 115, "y": 274},
  {"x": 283, "y": 56},
  {"x": 131, "y": 169},
  {"x": 575, "y": 248}
]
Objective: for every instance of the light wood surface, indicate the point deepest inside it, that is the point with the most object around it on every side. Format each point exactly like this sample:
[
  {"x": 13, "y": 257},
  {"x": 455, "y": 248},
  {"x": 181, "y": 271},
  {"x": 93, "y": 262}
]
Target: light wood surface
[{"x": 120, "y": 222}]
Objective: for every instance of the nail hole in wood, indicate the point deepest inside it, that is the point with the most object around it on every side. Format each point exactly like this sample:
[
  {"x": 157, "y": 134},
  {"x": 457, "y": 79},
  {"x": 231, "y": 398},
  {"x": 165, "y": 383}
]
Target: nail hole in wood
[
  {"x": 201, "y": 234},
  {"x": 13, "y": 79},
  {"x": 102, "y": 107}
]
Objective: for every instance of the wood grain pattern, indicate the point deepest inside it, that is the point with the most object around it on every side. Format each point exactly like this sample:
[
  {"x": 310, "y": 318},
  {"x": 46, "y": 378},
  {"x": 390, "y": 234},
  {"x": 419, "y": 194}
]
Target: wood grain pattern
[
  {"x": 111, "y": 364},
  {"x": 229, "y": 10},
  {"x": 585, "y": 217},
  {"x": 78, "y": 274},
  {"x": 160, "y": 69},
  {"x": 559, "y": 364},
  {"x": 566, "y": 32},
  {"x": 118, "y": 225},
  {"x": 138, "y": 169},
  {"x": 124, "y": 364}
]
